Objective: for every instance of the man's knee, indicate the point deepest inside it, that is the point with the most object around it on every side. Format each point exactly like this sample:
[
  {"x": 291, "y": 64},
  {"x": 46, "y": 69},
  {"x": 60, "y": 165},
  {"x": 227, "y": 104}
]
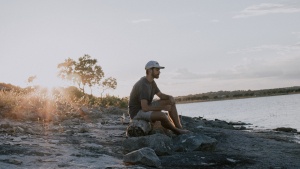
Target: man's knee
[{"x": 165, "y": 102}]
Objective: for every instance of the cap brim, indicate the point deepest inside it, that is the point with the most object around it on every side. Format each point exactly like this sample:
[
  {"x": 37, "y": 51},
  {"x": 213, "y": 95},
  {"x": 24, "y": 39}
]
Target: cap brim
[{"x": 160, "y": 67}]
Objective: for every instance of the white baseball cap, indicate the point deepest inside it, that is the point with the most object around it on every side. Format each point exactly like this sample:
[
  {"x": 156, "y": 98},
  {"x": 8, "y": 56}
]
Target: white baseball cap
[{"x": 152, "y": 64}]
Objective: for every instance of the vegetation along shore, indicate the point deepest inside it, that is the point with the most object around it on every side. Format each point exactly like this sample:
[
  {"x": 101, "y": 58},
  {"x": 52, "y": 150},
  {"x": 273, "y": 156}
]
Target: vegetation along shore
[
  {"x": 237, "y": 94},
  {"x": 65, "y": 128},
  {"x": 68, "y": 128}
]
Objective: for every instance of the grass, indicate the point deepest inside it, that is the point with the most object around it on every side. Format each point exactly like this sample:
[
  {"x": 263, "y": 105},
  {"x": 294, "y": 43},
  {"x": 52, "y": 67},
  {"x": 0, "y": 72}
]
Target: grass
[{"x": 37, "y": 104}]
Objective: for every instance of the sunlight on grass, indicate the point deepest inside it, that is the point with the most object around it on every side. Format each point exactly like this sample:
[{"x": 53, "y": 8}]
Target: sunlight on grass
[
  {"x": 33, "y": 104},
  {"x": 42, "y": 104}
]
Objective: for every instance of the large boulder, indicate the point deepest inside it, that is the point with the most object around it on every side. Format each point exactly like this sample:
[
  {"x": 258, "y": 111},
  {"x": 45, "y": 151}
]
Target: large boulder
[
  {"x": 145, "y": 156},
  {"x": 194, "y": 142},
  {"x": 160, "y": 143}
]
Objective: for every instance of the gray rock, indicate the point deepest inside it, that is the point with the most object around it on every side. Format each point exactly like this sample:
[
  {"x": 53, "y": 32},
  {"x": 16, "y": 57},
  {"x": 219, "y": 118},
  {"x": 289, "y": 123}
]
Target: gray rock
[
  {"x": 286, "y": 129},
  {"x": 192, "y": 142},
  {"x": 13, "y": 161},
  {"x": 219, "y": 124},
  {"x": 69, "y": 122},
  {"x": 69, "y": 132},
  {"x": 161, "y": 144},
  {"x": 18, "y": 129},
  {"x": 17, "y": 139},
  {"x": 114, "y": 110},
  {"x": 63, "y": 164},
  {"x": 83, "y": 130},
  {"x": 30, "y": 131},
  {"x": 90, "y": 112},
  {"x": 54, "y": 141},
  {"x": 5, "y": 126},
  {"x": 144, "y": 156}
]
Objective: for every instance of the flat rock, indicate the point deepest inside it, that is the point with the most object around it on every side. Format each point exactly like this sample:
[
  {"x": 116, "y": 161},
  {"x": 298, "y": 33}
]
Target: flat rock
[
  {"x": 160, "y": 143},
  {"x": 194, "y": 142},
  {"x": 286, "y": 129},
  {"x": 144, "y": 156}
]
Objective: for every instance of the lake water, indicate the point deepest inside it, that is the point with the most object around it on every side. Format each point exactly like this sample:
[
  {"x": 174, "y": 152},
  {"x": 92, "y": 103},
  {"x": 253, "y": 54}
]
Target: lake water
[{"x": 262, "y": 112}]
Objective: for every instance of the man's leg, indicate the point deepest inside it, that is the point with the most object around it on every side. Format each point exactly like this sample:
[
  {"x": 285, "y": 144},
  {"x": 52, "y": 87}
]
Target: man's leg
[
  {"x": 173, "y": 113},
  {"x": 165, "y": 122},
  {"x": 174, "y": 116}
]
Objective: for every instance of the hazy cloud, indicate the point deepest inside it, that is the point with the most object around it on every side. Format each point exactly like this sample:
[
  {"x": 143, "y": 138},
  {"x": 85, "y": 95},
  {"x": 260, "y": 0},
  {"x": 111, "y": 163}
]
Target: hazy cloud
[
  {"x": 266, "y": 8},
  {"x": 186, "y": 74},
  {"x": 280, "y": 49},
  {"x": 141, "y": 20},
  {"x": 215, "y": 21},
  {"x": 279, "y": 67},
  {"x": 297, "y": 34}
]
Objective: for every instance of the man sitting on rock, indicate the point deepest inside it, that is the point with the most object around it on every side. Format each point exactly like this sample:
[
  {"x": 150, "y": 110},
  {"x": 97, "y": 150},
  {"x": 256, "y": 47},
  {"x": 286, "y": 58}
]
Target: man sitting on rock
[{"x": 141, "y": 106}]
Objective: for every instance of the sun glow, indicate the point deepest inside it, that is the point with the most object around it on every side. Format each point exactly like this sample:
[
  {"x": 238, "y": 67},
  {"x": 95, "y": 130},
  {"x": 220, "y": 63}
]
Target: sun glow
[{"x": 49, "y": 83}]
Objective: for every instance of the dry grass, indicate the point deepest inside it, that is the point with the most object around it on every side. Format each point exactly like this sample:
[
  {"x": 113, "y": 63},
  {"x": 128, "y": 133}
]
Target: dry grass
[{"x": 39, "y": 104}]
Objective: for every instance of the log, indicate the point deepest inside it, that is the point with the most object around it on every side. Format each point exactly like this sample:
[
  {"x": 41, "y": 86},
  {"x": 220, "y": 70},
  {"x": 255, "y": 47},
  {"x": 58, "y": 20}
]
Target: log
[{"x": 138, "y": 128}]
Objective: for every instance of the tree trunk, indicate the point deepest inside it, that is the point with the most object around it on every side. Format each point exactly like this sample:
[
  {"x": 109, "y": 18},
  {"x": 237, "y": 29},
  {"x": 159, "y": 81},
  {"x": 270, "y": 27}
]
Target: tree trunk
[{"x": 138, "y": 128}]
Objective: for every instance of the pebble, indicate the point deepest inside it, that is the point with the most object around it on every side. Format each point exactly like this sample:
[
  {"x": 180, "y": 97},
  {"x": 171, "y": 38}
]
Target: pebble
[
  {"x": 54, "y": 141},
  {"x": 231, "y": 160},
  {"x": 14, "y": 161},
  {"x": 69, "y": 132},
  {"x": 17, "y": 139},
  {"x": 19, "y": 129},
  {"x": 63, "y": 164}
]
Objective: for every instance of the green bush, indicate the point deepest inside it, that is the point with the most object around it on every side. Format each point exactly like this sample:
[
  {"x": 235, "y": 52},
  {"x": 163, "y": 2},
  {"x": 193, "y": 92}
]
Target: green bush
[
  {"x": 73, "y": 93},
  {"x": 108, "y": 101}
]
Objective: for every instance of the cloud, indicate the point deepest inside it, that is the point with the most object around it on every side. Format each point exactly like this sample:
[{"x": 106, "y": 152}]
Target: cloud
[
  {"x": 250, "y": 74},
  {"x": 141, "y": 20},
  {"x": 278, "y": 67},
  {"x": 186, "y": 74},
  {"x": 297, "y": 34},
  {"x": 279, "y": 49},
  {"x": 215, "y": 21},
  {"x": 266, "y": 8},
  {"x": 264, "y": 63}
]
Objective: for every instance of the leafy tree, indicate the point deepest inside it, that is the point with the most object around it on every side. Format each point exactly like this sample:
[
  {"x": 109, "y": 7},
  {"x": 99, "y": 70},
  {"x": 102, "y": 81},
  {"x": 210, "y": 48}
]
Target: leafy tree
[
  {"x": 84, "y": 72},
  {"x": 109, "y": 83},
  {"x": 67, "y": 70}
]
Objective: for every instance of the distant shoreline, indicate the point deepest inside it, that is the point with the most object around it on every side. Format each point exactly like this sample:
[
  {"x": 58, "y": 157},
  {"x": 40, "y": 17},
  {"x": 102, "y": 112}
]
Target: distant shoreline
[{"x": 211, "y": 100}]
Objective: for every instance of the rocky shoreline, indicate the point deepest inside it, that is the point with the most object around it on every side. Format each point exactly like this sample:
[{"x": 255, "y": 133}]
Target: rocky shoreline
[{"x": 96, "y": 138}]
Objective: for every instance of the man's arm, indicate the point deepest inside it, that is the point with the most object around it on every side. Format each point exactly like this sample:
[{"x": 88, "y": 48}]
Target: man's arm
[{"x": 163, "y": 96}]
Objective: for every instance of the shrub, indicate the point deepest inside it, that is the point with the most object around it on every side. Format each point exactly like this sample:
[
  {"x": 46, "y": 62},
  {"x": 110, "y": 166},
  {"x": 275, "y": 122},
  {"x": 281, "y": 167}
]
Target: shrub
[{"x": 108, "y": 101}]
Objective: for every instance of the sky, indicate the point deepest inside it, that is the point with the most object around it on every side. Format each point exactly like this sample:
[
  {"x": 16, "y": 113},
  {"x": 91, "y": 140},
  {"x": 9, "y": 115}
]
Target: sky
[{"x": 205, "y": 45}]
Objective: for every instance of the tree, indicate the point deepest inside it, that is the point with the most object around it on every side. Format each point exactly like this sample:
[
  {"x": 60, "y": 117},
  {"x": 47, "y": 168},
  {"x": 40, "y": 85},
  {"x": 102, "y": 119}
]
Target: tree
[
  {"x": 84, "y": 72},
  {"x": 108, "y": 83},
  {"x": 67, "y": 70}
]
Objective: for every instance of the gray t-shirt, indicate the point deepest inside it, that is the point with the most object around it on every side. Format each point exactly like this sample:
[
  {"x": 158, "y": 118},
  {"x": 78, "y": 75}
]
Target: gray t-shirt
[{"x": 143, "y": 89}]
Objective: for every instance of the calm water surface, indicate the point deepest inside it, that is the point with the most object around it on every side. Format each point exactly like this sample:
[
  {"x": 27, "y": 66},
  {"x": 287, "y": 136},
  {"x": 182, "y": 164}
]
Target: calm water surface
[{"x": 262, "y": 112}]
